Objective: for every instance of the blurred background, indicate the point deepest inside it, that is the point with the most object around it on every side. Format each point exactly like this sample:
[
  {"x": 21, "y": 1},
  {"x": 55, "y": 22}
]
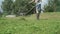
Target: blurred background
[{"x": 22, "y": 7}]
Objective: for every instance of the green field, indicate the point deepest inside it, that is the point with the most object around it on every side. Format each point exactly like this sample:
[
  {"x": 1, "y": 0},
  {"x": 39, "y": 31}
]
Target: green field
[{"x": 49, "y": 23}]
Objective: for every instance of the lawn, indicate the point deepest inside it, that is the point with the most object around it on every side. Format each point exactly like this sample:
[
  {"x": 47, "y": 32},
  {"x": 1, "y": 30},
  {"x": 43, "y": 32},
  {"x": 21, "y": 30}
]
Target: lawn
[{"x": 49, "y": 23}]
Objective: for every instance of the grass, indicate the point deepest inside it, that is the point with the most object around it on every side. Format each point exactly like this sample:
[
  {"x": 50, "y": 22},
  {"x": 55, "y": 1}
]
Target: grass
[{"x": 49, "y": 23}]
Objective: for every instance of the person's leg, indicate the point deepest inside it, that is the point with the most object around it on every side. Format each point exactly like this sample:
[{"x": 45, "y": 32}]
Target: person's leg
[{"x": 37, "y": 14}]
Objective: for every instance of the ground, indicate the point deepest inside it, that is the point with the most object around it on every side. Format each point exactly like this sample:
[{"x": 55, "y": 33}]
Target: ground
[{"x": 49, "y": 23}]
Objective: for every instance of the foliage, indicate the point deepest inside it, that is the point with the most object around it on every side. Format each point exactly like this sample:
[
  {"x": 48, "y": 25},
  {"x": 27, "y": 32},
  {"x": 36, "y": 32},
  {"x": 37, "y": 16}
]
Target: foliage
[
  {"x": 22, "y": 6},
  {"x": 7, "y": 6},
  {"x": 49, "y": 24},
  {"x": 52, "y": 6},
  {"x": 17, "y": 7}
]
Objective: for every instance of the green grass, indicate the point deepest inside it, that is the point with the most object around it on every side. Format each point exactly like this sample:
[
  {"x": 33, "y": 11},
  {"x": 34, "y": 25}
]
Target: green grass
[{"x": 49, "y": 23}]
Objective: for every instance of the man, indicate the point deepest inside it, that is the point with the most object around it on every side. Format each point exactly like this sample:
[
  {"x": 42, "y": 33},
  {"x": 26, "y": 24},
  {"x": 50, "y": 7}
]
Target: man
[{"x": 38, "y": 7}]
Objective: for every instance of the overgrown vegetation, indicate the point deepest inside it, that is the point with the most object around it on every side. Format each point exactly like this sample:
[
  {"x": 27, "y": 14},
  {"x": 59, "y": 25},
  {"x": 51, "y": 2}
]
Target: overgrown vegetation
[
  {"x": 22, "y": 6},
  {"x": 52, "y": 6},
  {"x": 48, "y": 24},
  {"x": 17, "y": 6}
]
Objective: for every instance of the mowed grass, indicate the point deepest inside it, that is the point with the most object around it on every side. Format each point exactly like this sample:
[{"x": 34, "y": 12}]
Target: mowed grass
[{"x": 49, "y": 23}]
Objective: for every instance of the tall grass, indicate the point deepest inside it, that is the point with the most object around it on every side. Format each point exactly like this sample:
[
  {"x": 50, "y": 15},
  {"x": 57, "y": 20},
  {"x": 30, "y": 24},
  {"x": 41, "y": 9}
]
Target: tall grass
[{"x": 49, "y": 23}]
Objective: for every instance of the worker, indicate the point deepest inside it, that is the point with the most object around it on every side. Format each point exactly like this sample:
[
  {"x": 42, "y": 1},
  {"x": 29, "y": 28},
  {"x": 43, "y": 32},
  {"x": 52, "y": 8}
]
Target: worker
[{"x": 38, "y": 7}]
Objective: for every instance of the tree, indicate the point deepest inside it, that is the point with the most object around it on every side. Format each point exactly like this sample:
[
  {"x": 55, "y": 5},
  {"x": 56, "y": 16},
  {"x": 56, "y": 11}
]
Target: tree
[
  {"x": 23, "y": 6},
  {"x": 7, "y": 6},
  {"x": 49, "y": 7},
  {"x": 17, "y": 7},
  {"x": 52, "y": 6}
]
